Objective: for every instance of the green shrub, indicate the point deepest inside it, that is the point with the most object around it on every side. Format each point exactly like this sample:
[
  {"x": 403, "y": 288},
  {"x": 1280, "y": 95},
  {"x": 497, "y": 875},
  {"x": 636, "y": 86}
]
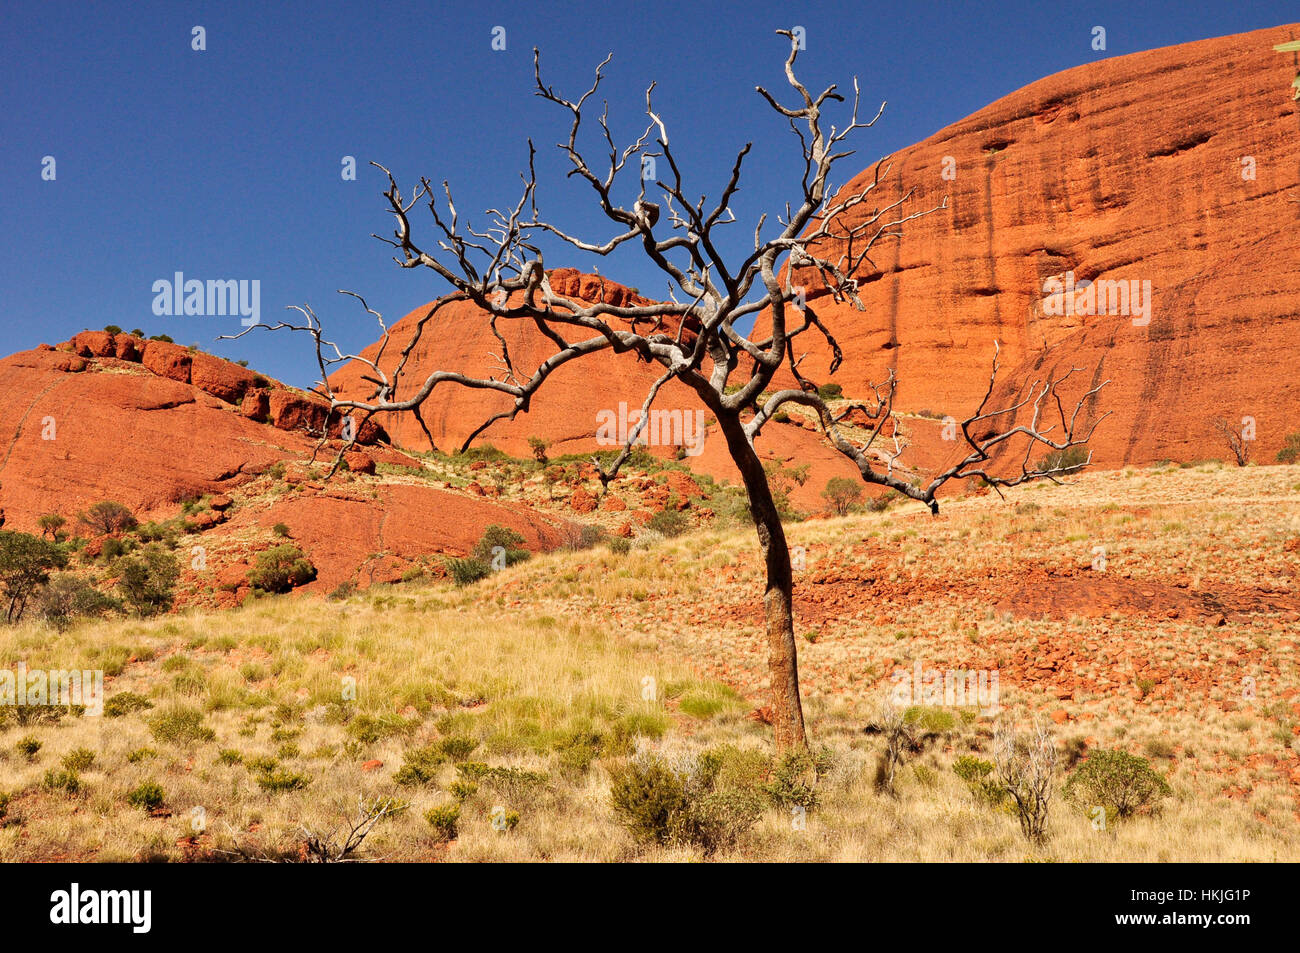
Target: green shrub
[
  {"x": 462, "y": 791},
  {"x": 273, "y": 780},
  {"x": 107, "y": 517},
  {"x": 281, "y": 530},
  {"x": 1118, "y": 781},
  {"x": 180, "y": 725},
  {"x": 124, "y": 703},
  {"x": 25, "y": 565},
  {"x": 619, "y": 546},
  {"x": 28, "y": 747},
  {"x": 842, "y": 494},
  {"x": 140, "y": 754},
  {"x": 504, "y": 820},
  {"x": 513, "y": 782},
  {"x": 979, "y": 778},
  {"x": 443, "y": 819},
  {"x": 420, "y": 765},
  {"x": 503, "y": 538},
  {"x": 647, "y": 799},
  {"x": 1290, "y": 451},
  {"x": 280, "y": 568},
  {"x": 230, "y": 756},
  {"x": 148, "y": 796},
  {"x": 465, "y": 572},
  {"x": 1070, "y": 460},
  {"x": 831, "y": 391},
  {"x": 65, "y": 781},
  {"x": 112, "y": 548},
  {"x": 112, "y": 329},
  {"x": 79, "y": 759},
  {"x": 343, "y": 591},
  {"x": 146, "y": 580},
  {"x": 794, "y": 778},
  {"x": 660, "y": 805},
  {"x": 67, "y": 597},
  {"x": 669, "y": 523},
  {"x": 369, "y": 729},
  {"x": 457, "y": 749}
]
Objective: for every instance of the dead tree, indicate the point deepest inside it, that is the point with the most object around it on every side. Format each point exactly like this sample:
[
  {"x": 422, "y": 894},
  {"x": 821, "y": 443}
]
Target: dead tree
[
  {"x": 1235, "y": 438},
  {"x": 694, "y": 338}
]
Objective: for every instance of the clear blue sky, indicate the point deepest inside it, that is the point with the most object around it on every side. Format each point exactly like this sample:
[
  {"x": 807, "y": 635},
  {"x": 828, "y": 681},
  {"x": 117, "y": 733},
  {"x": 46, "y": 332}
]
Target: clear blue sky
[{"x": 226, "y": 163}]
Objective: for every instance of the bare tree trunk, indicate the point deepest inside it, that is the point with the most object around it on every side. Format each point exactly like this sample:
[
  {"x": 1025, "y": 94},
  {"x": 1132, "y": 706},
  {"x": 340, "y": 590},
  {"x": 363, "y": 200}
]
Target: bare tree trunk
[{"x": 782, "y": 660}]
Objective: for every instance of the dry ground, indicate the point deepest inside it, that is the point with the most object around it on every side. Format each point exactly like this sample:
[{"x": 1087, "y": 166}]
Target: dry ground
[{"x": 1181, "y": 648}]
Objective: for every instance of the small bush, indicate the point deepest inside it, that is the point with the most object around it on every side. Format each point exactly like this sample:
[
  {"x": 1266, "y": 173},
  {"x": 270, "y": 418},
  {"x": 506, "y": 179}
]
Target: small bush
[
  {"x": 28, "y": 747},
  {"x": 79, "y": 759},
  {"x": 457, "y": 749},
  {"x": 148, "y": 796},
  {"x": 420, "y": 765},
  {"x": 281, "y": 530},
  {"x": 980, "y": 779},
  {"x": 842, "y": 494},
  {"x": 1069, "y": 460},
  {"x": 274, "y": 780},
  {"x": 66, "y": 781},
  {"x": 830, "y": 391},
  {"x": 1121, "y": 782},
  {"x": 281, "y": 568},
  {"x": 140, "y": 754},
  {"x": 147, "y": 580},
  {"x": 343, "y": 591},
  {"x": 181, "y": 725},
  {"x": 444, "y": 819},
  {"x": 504, "y": 820},
  {"x": 668, "y": 523},
  {"x": 647, "y": 800},
  {"x": 124, "y": 703},
  {"x": 108, "y": 516},
  {"x": 660, "y": 805},
  {"x": 1290, "y": 451},
  {"x": 68, "y": 597},
  {"x": 619, "y": 546},
  {"x": 465, "y": 572},
  {"x": 498, "y": 542},
  {"x": 794, "y": 779}
]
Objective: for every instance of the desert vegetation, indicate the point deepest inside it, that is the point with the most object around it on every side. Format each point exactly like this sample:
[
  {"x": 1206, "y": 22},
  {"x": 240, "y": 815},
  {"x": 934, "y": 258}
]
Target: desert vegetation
[{"x": 560, "y": 709}]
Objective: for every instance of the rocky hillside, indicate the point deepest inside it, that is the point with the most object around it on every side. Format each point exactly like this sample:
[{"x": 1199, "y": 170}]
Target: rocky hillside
[
  {"x": 175, "y": 434},
  {"x": 1177, "y": 167}
]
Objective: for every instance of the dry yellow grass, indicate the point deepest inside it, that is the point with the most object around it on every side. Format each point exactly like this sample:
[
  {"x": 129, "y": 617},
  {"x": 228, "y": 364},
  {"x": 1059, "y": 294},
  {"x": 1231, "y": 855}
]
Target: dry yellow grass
[{"x": 527, "y": 663}]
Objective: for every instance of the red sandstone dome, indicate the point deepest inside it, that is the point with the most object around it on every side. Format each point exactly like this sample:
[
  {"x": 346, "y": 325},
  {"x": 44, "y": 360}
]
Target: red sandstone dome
[
  {"x": 1179, "y": 167},
  {"x": 1131, "y": 169}
]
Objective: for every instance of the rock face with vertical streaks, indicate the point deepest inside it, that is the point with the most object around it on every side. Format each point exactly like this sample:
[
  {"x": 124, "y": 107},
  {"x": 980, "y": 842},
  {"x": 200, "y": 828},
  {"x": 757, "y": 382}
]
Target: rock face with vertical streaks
[{"x": 1179, "y": 167}]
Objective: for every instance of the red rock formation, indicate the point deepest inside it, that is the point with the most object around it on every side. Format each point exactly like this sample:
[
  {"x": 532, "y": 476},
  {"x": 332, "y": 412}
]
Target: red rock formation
[
  {"x": 1128, "y": 169},
  {"x": 564, "y": 411},
  {"x": 95, "y": 427}
]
